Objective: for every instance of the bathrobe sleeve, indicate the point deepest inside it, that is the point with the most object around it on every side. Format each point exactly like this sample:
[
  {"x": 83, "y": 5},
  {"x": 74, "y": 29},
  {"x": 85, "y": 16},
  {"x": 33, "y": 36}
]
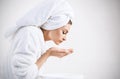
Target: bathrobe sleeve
[{"x": 26, "y": 51}]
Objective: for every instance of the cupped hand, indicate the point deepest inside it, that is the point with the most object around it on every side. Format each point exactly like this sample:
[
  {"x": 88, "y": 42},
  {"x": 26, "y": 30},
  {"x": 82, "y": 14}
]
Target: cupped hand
[{"x": 59, "y": 52}]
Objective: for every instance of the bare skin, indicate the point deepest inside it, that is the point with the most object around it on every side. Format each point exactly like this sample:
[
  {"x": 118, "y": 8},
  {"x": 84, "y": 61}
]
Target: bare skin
[{"x": 57, "y": 36}]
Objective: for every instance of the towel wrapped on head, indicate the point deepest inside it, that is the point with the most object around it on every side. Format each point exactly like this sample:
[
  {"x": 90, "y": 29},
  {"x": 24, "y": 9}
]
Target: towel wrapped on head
[{"x": 49, "y": 15}]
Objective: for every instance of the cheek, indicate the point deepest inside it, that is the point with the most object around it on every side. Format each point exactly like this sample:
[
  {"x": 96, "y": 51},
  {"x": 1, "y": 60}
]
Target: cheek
[{"x": 58, "y": 35}]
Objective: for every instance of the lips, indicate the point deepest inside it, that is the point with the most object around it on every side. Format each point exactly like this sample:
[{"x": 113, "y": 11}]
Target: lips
[{"x": 60, "y": 41}]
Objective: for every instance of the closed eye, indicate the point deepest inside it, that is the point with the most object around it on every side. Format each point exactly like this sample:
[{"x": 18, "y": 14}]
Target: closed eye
[{"x": 65, "y": 31}]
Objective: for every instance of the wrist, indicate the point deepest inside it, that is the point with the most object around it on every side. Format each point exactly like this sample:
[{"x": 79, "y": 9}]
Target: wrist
[{"x": 48, "y": 53}]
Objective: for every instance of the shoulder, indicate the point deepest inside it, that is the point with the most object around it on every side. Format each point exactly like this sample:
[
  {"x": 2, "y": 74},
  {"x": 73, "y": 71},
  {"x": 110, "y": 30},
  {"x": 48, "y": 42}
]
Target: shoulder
[
  {"x": 29, "y": 33},
  {"x": 29, "y": 30}
]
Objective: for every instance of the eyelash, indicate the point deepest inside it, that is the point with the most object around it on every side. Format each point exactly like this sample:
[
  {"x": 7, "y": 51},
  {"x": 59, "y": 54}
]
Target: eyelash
[{"x": 64, "y": 32}]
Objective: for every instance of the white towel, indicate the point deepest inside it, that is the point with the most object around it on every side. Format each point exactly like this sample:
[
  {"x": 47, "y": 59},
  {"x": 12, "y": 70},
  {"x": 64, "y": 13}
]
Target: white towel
[{"x": 50, "y": 15}]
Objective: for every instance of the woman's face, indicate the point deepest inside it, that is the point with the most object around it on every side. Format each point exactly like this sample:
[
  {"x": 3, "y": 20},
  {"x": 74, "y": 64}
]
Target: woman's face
[{"x": 59, "y": 35}]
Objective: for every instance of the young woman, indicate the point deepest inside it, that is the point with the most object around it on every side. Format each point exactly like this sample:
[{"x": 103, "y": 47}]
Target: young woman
[{"x": 51, "y": 20}]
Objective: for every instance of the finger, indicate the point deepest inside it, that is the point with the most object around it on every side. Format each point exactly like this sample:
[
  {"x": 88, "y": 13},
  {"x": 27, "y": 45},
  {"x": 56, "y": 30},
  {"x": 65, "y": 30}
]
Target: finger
[
  {"x": 70, "y": 50},
  {"x": 62, "y": 55},
  {"x": 67, "y": 51}
]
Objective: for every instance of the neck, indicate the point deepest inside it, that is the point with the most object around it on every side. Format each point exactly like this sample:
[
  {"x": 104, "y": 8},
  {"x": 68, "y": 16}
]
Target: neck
[{"x": 46, "y": 35}]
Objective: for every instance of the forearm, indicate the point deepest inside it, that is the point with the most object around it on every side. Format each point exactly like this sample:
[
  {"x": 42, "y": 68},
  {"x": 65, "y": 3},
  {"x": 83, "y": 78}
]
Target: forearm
[
  {"x": 54, "y": 51},
  {"x": 42, "y": 59}
]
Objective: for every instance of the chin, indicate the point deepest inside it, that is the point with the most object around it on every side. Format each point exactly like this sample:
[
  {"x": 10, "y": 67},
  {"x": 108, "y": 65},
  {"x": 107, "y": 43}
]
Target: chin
[{"x": 57, "y": 43}]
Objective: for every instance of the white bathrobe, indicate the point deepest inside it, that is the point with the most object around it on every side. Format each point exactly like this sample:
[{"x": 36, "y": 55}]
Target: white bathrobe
[{"x": 27, "y": 47}]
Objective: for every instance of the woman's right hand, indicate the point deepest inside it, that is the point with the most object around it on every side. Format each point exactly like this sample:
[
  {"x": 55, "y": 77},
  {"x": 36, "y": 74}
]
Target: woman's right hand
[{"x": 59, "y": 52}]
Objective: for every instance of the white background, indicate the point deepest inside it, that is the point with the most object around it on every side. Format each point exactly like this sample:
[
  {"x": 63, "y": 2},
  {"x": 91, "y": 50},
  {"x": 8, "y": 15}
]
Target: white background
[{"x": 95, "y": 37}]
